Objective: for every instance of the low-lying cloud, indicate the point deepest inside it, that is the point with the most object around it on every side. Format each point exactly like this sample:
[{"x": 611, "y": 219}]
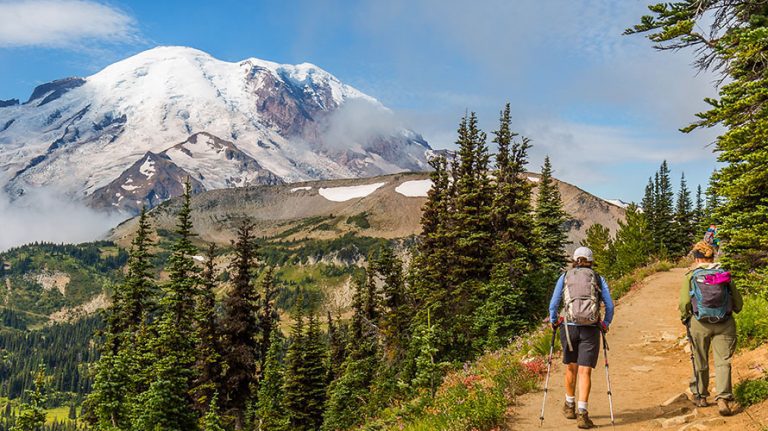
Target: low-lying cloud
[
  {"x": 49, "y": 216},
  {"x": 356, "y": 123},
  {"x": 63, "y": 23}
]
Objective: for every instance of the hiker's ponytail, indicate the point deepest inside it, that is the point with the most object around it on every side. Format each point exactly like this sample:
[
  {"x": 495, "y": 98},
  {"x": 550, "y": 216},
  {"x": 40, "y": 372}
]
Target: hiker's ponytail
[{"x": 581, "y": 262}]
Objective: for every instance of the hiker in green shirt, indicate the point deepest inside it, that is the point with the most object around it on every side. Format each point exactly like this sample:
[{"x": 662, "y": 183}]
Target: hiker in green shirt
[{"x": 708, "y": 298}]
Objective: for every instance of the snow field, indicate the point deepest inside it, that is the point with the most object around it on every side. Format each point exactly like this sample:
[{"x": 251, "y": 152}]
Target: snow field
[
  {"x": 342, "y": 194},
  {"x": 413, "y": 189}
]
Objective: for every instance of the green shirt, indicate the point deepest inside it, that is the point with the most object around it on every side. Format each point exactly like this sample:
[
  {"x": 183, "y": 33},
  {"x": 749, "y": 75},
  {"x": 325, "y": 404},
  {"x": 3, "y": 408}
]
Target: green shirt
[{"x": 686, "y": 309}]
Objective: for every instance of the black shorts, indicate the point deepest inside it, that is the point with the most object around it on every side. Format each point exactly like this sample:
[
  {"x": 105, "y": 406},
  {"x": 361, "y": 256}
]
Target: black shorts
[{"x": 586, "y": 345}]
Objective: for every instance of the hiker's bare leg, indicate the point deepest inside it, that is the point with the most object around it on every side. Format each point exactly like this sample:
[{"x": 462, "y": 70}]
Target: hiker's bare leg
[
  {"x": 570, "y": 379},
  {"x": 585, "y": 382}
]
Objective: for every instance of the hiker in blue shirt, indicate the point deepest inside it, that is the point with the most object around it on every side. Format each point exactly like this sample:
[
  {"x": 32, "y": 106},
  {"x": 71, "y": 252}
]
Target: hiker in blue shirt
[{"x": 580, "y": 290}]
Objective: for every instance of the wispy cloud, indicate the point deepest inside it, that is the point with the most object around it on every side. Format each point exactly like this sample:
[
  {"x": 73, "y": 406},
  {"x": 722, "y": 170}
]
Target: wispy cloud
[
  {"x": 45, "y": 214},
  {"x": 63, "y": 24}
]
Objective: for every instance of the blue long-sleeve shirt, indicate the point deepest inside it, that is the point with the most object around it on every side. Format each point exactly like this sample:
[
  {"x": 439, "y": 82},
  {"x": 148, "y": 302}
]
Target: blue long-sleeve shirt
[{"x": 557, "y": 298}]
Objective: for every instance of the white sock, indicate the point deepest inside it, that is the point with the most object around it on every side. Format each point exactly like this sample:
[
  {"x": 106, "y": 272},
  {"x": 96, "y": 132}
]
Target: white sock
[
  {"x": 582, "y": 405},
  {"x": 570, "y": 400}
]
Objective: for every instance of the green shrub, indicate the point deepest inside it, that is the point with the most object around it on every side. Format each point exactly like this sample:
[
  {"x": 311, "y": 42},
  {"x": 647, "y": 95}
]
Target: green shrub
[
  {"x": 360, "y": 220},
  {"x": 752, "y": 322},
  {"x": 751, "y": 392}
]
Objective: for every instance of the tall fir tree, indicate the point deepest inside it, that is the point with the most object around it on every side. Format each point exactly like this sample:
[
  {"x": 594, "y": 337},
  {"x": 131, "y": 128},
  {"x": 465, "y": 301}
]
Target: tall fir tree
[
  {"x": 270, "y": 412},
  {"x": 685, "y": 226},
  {"x": 503, "y": 311},
  {"x": 124, "y": 358},
  {"x": 599, "y": 240},
  {"x": 167, "y": 404},
  {"x": 208, "y": 365},
  {"x": 632, "y": 242},
  {"x": 664, "y": 226},
  {"x": 32, "y": 414},
  {"x": 698, "y": 212},
  {"x": 294, "y": 395},
  {"x": 338, "y": 339},
  {"x": 313, "y": 380},
  {"x": 550, "y": 222},
  {"x": 349, "y": 395},
  {"x": 240, "y": 327},
  {"x": 269, "y": 318},
  {"x": 395, "y": 304}
]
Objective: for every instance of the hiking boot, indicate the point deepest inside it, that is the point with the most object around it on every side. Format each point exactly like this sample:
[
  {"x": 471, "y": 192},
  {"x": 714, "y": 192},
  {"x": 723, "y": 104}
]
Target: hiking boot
[
  {"x": 724, "y": 407},
  {"x": 583, "y": 421},
  {"x": 701, "y": 402},
  {"x": 569, "y": 410}
]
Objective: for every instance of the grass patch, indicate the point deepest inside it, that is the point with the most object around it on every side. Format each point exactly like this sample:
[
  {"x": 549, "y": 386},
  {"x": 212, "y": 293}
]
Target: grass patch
[
  {"x": 751, "y": 392},
  {"x": 360, "y": 220},
  {"x": 752, "y": 322},
  {"x": 623, "y": 284},
  {"x": 478, "y": 396}
]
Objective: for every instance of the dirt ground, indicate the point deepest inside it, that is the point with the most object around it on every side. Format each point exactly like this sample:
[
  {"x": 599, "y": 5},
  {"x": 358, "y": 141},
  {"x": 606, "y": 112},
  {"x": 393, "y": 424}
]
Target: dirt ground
[{"x": 649, "y": 365}]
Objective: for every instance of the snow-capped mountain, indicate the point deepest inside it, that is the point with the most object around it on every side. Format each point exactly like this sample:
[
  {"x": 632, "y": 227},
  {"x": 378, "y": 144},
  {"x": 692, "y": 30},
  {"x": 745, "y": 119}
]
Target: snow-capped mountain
[{"x": 184, "y": 113}]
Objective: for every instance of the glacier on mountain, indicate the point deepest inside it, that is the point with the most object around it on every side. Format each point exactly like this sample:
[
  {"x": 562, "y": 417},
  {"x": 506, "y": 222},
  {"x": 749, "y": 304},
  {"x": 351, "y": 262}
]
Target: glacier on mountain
[{"x": 222, "y": 124}]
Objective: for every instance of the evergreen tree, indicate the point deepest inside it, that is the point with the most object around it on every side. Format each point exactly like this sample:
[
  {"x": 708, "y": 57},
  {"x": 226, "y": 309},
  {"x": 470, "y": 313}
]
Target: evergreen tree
[
  {"x": 599, "y": 240},
  {"x": 208, "y": 365},
  {"x": 684, "y": 220},
  {"x": 313, "y": 380},
  {"x": 269, "y": 318},
  {"x": 294, "y": 401},
  {"x": 167, "y": 403},
  {"x": 698, "y": 213},
  {"x": 632, "y": 242},
  {"x": 664, "y": 223},
  {"x": 396, "y": 311},
  {"x": 350, "y": 393},
  {"x": 512, "y": 210},
  {"x": 240, "y": 327},
  {"x": 212, "y": 421},
  {"x": 32, "y": 413},
  {"x": 428, "y": 370},
  {"x": 503, "y": 311},
  {"x": 550, "y": 222},
  {"x": 269, "y": 409},
  {"x": 734, "y": 46},
  {"x": 120, "y": 367},
  {"x": 337, "y": 346}
]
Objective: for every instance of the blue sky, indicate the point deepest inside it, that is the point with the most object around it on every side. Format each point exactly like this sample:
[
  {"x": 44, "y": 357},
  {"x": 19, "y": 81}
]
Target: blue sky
[{"x": 605, "y": 107}]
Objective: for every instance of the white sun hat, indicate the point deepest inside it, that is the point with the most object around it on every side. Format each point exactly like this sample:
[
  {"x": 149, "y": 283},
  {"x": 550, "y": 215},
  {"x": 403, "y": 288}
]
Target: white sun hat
[{"x": 584, "y": 252}]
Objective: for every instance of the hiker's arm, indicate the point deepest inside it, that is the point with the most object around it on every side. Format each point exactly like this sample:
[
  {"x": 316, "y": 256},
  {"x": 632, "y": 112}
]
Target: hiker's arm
[
  {"x": 557, "y": 296},
  {"x": 606, "y": 295},
  {"x": 685, "y": 299},
  {"x": 738, "y": 301}
]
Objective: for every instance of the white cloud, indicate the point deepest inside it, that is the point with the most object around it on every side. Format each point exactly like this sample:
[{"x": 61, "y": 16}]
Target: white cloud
[
  {"x": 63, "y": 23},
  {"x": 51, "y": 216},
  {"x": 356, "y": 123}
]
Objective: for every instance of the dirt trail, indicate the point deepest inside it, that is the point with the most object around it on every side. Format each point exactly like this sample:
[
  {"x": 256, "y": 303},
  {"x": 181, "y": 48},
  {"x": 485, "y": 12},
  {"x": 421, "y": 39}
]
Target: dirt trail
[{"x": 648, "y": 366}]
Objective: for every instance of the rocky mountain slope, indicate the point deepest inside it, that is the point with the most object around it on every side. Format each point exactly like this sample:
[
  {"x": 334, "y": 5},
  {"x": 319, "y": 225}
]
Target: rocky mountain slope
[
  {"x": 382, "y": 207},
  {"x": 127, "y": 135}
]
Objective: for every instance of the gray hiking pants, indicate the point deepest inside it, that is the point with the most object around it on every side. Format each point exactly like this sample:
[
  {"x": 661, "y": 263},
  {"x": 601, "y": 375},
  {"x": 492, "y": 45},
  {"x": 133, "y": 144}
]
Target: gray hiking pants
[{"x": 722, "y": 338}]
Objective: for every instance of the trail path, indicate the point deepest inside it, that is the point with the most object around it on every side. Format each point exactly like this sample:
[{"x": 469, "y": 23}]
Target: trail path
[{"x": 648, "y": 365}]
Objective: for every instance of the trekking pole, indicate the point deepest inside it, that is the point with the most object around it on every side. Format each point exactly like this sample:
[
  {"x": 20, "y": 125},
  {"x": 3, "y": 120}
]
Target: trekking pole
[
  {"x": 608, "y": 377},
  {"x": 693, "y": 362},
  {"x": 549, "y": 366}
]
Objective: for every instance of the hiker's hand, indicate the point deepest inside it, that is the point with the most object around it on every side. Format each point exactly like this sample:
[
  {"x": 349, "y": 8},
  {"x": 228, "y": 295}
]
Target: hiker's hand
[
  {"x": 557, "y": 323},
  {"x": 603, "y": 327}
]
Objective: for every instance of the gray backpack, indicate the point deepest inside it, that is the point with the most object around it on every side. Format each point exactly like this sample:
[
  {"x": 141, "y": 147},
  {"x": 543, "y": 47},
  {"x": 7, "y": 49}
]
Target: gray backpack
[{"x": 581, "y": 296}]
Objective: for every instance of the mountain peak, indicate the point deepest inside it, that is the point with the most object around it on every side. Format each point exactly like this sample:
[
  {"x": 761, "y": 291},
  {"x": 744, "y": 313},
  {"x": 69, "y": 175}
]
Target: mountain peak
[{"x": 258, "y": 122}]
